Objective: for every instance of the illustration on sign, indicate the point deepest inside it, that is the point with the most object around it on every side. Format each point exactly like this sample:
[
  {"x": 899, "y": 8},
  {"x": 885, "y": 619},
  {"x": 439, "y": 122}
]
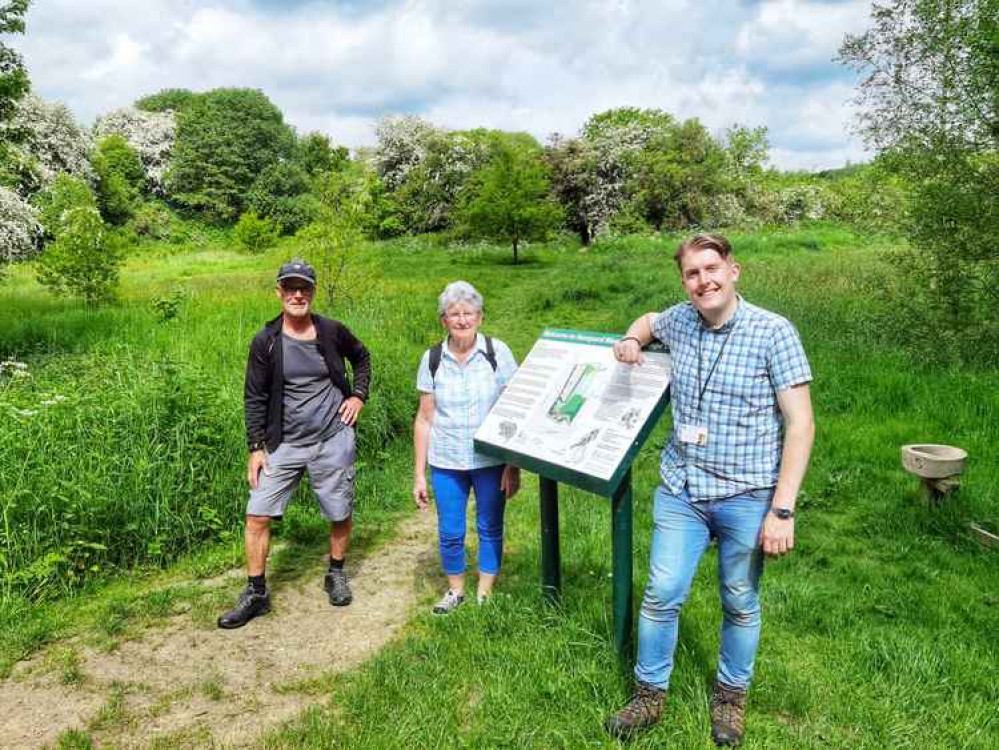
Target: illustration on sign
[{"x": 571, "y": 404}]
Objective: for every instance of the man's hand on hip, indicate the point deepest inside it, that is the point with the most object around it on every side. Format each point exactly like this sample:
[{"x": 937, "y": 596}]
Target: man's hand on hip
[
  {"x": 777, "y": 536},
  {"x": 256, "y": 462},
  {"x": 350, "y": 409}
]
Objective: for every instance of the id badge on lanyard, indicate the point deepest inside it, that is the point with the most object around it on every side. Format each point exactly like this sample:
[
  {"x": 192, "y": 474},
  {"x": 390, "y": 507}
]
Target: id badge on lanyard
[{"x": 696, "y": 434}]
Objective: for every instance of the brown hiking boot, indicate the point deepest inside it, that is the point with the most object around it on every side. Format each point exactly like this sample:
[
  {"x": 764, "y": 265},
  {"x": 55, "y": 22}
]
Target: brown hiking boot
[
  {"x": 640, "y": 713},
  {"x": 728, "y": 715}
]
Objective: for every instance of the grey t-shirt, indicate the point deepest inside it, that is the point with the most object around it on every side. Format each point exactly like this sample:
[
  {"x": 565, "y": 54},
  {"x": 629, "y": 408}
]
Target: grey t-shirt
[{"x": 311, "y": 401}]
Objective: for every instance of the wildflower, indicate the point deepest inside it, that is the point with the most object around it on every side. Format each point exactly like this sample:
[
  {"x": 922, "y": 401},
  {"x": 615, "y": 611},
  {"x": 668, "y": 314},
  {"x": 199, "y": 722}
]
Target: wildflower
[
  {"x": 26, "y": 412},
  {"x": 48, "y": 402}
]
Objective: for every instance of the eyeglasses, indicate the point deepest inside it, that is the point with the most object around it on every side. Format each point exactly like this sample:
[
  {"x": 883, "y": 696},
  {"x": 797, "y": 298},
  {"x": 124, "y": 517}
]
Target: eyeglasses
[
  {"x": 290, "y": 290},
  {"x": 463, "y": 315}
]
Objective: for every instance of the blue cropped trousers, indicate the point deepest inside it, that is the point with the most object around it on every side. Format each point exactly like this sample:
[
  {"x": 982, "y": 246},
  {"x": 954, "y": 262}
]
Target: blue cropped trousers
[{"x": 451, "y": 489}]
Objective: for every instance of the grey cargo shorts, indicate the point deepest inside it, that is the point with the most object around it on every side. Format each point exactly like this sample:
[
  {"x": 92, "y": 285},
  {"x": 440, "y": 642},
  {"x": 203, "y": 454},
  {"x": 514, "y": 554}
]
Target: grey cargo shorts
[{"x": 331, "y": 473}]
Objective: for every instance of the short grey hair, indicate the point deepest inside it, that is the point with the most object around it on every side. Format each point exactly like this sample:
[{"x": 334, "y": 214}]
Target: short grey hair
[{"x": 457, "y": 292}]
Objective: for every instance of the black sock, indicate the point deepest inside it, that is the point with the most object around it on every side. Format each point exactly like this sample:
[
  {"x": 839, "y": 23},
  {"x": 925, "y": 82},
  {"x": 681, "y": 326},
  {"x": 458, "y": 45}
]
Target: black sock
[
  {"x": 335, "y": 564},
  {"x": 257, "y": 583}
]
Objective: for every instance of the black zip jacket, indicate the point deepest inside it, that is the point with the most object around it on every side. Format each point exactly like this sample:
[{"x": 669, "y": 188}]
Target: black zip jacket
[{"x": 263, "y": 391}]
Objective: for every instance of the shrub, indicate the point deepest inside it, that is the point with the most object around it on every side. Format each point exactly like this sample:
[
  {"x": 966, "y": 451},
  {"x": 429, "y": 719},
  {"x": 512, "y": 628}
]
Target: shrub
[
  {"x": 83, "y": 259},
  {"x": 254, "y": 234},
  {"x": 152, "y": 220},
  {"x": 63, "y": 195}
]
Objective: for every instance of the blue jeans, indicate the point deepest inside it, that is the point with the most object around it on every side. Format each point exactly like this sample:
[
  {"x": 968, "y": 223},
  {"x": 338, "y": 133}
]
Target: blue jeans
[
  {"x": 682, "y": 531},
  {"x": 451, "y": 488}
]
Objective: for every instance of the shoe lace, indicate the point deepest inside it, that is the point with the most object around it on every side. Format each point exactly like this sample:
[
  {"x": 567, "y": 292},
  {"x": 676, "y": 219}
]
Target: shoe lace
[
  {"x": 729, "y": 707},
  {"x": 644, "y": 704}
]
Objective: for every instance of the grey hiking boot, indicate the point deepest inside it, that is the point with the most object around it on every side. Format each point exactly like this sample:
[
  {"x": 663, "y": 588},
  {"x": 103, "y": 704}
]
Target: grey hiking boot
[
  {"x": 250, "y": 605},
  {"x": 639, "y": 714},
  {"x": 728, "y": 715},
  {"x": 336, "y": 585},
  {"x": 449, "y": 603}
]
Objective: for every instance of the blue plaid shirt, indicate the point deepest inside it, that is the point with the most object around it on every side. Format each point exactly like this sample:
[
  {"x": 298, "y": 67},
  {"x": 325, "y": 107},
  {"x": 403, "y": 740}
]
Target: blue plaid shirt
[
  {"x": 463, "y": 395},
  {"x": 760, "y": 354}
]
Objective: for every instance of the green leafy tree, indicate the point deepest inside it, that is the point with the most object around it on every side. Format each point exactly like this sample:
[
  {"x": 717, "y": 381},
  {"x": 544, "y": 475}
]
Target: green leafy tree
[
  {"x": 167, "y": 99},
  {"x": 318, "y": 156},
  {"x": 675, "y": 174},
  {"x": 120, "y": 179},
  {"x": 225, "y": 139},
  {"x": 508, "y": 200},
  {"x": 928, "y": 101},
  {"x": 282, "y": 193}
]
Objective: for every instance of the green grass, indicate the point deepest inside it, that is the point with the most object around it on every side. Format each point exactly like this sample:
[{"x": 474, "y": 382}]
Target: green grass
[{"x": 879, "y": 629}]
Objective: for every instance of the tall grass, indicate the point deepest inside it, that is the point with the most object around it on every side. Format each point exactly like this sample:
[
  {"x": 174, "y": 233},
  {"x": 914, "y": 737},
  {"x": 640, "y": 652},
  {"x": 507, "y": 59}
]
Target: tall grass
[{"x": 879, "y": 628}]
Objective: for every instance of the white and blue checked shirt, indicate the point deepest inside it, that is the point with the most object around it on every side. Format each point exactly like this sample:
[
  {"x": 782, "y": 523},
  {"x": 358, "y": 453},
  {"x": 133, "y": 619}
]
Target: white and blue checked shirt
[
  {"x": 762, "y": 355},
  {"x": 463, "y": 395}
]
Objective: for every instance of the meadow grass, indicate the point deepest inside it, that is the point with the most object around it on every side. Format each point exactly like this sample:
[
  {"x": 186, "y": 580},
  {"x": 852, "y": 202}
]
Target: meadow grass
[{"x": 879, "y": 628}]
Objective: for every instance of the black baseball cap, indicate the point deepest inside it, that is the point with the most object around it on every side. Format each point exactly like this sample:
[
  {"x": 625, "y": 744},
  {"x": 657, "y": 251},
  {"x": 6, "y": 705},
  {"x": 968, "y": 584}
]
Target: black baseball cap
[{"x": 296, "y": 268}]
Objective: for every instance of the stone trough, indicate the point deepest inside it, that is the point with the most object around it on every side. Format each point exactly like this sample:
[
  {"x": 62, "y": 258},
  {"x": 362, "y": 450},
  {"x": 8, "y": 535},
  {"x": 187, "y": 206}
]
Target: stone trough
[{"x": 938, "y": 467}]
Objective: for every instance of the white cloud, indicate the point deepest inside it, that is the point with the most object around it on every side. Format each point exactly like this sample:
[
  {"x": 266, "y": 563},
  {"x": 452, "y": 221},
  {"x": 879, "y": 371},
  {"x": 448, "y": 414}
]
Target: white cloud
[
  {"x": 511, "y": 64},
  {"x": 787, "y": 34}
]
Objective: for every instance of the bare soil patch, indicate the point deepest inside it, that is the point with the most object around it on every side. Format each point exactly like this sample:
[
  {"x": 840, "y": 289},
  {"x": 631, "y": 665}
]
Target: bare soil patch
[{"x": 187, "y": 684}]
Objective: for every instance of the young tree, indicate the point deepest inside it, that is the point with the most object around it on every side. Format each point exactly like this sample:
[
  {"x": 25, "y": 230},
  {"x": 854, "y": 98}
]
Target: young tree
[
  {"x": 508, "y": 199},
  {"x": 929, "y": 102},
  {"x": 83, "y": 259},
  {"x": 83, "y": 255},
  {"x": 120, "y": 179},
  {"x": 225, "y": 139}
]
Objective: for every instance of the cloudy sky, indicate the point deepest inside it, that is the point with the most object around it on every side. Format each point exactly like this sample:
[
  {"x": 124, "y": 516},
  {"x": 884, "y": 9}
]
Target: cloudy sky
[{"x": 337, "y": 66}]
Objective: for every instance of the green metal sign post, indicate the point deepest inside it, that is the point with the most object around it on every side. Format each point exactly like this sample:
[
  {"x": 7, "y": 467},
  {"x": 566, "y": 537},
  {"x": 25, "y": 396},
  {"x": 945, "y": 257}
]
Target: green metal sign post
[{"x": 569, "y": 408}]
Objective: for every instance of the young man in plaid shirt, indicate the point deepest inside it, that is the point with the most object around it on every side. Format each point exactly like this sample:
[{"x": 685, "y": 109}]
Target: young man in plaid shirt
[{"x": 742, "y": 435}]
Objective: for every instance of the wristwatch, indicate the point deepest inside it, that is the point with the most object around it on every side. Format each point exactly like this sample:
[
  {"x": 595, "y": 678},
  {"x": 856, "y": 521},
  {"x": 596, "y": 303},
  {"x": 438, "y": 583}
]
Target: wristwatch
[{"x": 783, "y": 514}]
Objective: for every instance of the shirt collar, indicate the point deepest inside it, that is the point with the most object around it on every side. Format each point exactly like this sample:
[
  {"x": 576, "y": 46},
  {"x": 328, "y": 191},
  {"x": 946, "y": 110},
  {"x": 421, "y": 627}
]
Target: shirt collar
[
  {"x": 480, "y": 346},
  {"x": 729, "y": 324}
]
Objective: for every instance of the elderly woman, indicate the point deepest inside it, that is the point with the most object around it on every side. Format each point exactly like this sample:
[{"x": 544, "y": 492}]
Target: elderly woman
[{"x": 459, "y": 380}]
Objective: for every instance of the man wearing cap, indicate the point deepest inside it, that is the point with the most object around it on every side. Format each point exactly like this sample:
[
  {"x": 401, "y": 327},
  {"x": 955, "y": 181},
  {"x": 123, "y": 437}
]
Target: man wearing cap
[
  {"x": 300, "y": 412},
  {"x": 742, "y": 435}
]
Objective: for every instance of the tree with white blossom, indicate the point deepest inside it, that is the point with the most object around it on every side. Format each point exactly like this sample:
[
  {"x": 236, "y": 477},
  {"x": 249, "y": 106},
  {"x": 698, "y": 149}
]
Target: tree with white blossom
[
  {"x": 50, "y": 140},
  {"x": 20, "y": 231},
  {"x": 151, "y": 134}
]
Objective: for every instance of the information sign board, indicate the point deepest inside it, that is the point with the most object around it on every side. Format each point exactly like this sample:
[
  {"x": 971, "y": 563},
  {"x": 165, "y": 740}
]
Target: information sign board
[{"x": 573, "y": 413}]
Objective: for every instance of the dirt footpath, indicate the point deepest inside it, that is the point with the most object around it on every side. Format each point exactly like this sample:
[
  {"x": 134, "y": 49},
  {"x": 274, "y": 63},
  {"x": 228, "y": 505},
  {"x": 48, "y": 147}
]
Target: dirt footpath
[{"x": 181, "y": 685}]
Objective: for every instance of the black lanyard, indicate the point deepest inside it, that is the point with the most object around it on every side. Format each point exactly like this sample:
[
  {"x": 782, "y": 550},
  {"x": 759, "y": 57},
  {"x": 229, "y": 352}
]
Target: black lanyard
[{"x": 721, "y": 351}]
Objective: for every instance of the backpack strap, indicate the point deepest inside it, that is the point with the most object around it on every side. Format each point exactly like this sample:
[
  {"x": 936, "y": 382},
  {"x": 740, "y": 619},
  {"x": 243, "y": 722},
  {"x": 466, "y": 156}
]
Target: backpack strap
[
  {"x": 435, "y": 359},
  {"x": 437, "y": 350},
  {"x": 491, "y": 353}
]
